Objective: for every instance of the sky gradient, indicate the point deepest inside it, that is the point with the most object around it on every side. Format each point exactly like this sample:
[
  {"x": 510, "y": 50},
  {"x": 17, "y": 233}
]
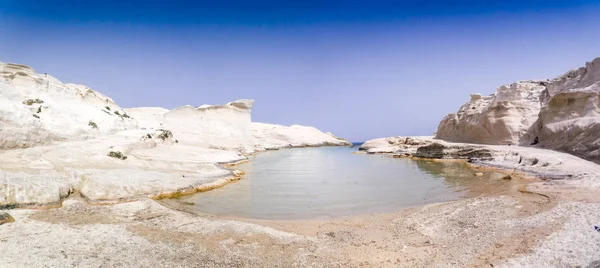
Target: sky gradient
[{"x": 360, "y": 69}]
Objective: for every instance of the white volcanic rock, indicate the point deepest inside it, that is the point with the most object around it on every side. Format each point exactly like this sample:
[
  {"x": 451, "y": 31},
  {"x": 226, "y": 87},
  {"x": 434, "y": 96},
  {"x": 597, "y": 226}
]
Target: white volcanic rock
[
  {"x": 226, "y": 127},
  {"x": 570, "y": 118},
  {"x": 148, "y": 117},
  {"x": 37, "y": 109},
  {"x": 44, "y": 175},
  {"x": 273, "y": 137},
  {"x": 562, "y": 113},
  {"x": 395, "y": 145},
  {"x": 502, "y": 118},
  {"x": 57, "y": 139}
]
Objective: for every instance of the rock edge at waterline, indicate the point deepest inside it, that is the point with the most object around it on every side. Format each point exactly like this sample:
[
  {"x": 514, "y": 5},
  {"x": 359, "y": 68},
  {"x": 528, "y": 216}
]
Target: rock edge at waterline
[{"x": 60, "y": 139}]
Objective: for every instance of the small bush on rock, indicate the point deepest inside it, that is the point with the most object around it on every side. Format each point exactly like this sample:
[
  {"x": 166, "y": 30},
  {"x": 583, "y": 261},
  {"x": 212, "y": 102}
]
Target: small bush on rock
[
  {"x": 92, "y": 124},
  {"x": 117, "y": 155},
  {"x": 30, "y": 102},
  {"x": 107, "y": 107},
  {"x": 36, "y": 116},
  {"x": 166, "y": 134},
  {"x": 160, "y": 134}
]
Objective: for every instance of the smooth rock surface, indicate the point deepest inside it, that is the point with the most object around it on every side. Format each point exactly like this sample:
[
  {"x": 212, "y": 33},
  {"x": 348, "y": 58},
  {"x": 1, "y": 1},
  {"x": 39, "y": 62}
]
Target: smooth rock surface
[
  {"x": 395, "y": 145},
  {"x": 273, "y": 137},
  {"x": 561, "y": 113},
  {"x": 570, "y": 119},
  {"x": 57, "y": 139},
  {"x": 37, "y": 108},
  {"x": 499, "y": 119}
]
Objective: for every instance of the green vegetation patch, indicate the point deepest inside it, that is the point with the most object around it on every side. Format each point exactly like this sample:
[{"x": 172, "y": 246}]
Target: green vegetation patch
[
  {"x": 117, "y": 155},
  {"x": 165, "y": 134},
  {"x": 30, "y": 102},
  {"x": 92, "y": 124}
]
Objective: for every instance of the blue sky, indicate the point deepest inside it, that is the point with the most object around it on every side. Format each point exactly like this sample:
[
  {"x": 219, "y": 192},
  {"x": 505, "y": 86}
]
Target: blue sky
[{"x": 361, "y": 69}]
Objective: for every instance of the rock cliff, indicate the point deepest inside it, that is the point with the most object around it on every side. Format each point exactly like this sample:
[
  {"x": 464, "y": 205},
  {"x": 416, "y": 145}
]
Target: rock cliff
[
  {"x": 57, "y": 139},
  {"x": 501, "y": 118},
  {"x": 561, "y": 113},
  {"x": 37, "y": 108},
  {"x": 569, "y": 119}
]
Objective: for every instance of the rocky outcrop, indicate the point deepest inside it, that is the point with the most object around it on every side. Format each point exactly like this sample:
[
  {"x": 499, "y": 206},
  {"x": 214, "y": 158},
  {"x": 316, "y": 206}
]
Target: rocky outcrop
[
  {"x": 106, "y": 154},
  {"x": 438, "y": 150},
  {"x": 501, "y": 118},
  {"x": 37, "y": 109},
  {"x": 570, "y": 117},
  {"x": 395, "y": 145},
  {"x": 226, "y": 127},
  {"x": 273, "y": 137},
  {"x": 562, "y": 113}
]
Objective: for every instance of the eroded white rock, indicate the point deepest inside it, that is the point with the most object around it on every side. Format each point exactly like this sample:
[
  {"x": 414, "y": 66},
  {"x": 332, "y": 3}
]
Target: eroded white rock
[
  {"x": 273, "y": 137},
  {"x": 38, "y": 109},
  {"x": 570, "y": 117},
  {"x": 56, "y": 139},
  {"x": 562, "y": 113},
  {"x": 500, "y": 119}
]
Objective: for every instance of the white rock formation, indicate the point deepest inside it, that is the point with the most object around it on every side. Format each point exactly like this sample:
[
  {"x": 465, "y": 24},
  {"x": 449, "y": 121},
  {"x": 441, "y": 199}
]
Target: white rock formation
[
  {"x": 57, "y": 139},
  {"x": 570, "y": 117},
  {"x": 395, "y": 145},
  {"x": 226, "y": 127},
  {"x": 502, "y": 118},
  {"x": 273, "y": 137},
  {"x": 37, "y": 109},
  {"x": 563, "y": 113}
]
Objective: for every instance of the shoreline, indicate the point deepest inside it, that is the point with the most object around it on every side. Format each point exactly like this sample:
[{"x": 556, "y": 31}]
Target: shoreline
[
  {"x": 495, "y": 229},
  {"x": 164, "y": 194}
]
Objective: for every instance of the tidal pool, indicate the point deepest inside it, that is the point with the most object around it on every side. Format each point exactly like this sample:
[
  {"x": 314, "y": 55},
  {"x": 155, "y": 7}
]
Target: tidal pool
[{"x": 312, "y": 183}]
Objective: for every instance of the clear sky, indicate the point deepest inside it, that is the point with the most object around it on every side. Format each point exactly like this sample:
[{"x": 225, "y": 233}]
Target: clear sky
[{"x": 361, "y": 69}]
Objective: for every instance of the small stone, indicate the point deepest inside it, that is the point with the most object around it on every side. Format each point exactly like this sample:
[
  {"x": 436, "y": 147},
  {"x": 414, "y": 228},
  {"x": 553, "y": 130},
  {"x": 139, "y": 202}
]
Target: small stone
[
  {"x": 478, "y": 174},
  {"x": 5, "y": 218},
  {"x": 507, "y": 178}
]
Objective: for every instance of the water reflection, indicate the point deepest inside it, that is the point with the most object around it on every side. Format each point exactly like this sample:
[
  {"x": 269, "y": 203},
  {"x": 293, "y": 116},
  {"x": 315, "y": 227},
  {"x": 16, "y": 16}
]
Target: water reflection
[
  {"x": 453, "y": 173},
  {"x": 329, "y": 182}
]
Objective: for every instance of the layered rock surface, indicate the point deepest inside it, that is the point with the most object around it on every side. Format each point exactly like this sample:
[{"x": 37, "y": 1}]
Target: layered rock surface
[
  {"x": 58, "y": 139},
  {"x": 273, "y": 137},
  {"x": 395, "y": 145},
  {"x": 501, "y": 118},
  {"x": 562, "y": 113},
  {"x": 570, "y": 116},
  {"x": 37, "y": 108}
]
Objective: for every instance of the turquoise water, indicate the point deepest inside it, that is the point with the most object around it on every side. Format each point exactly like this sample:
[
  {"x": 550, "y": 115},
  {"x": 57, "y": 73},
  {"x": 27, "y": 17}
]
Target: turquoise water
[{"x": 327, "y": 182}]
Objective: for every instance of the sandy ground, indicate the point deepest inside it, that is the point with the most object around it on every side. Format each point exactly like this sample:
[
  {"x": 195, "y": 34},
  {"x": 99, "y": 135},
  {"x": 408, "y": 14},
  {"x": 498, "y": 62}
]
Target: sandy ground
[{"x": 544, "y": 224}]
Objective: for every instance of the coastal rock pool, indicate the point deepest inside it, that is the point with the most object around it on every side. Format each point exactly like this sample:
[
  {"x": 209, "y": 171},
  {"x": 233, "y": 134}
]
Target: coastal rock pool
[{"x": 309, "y": 183}]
